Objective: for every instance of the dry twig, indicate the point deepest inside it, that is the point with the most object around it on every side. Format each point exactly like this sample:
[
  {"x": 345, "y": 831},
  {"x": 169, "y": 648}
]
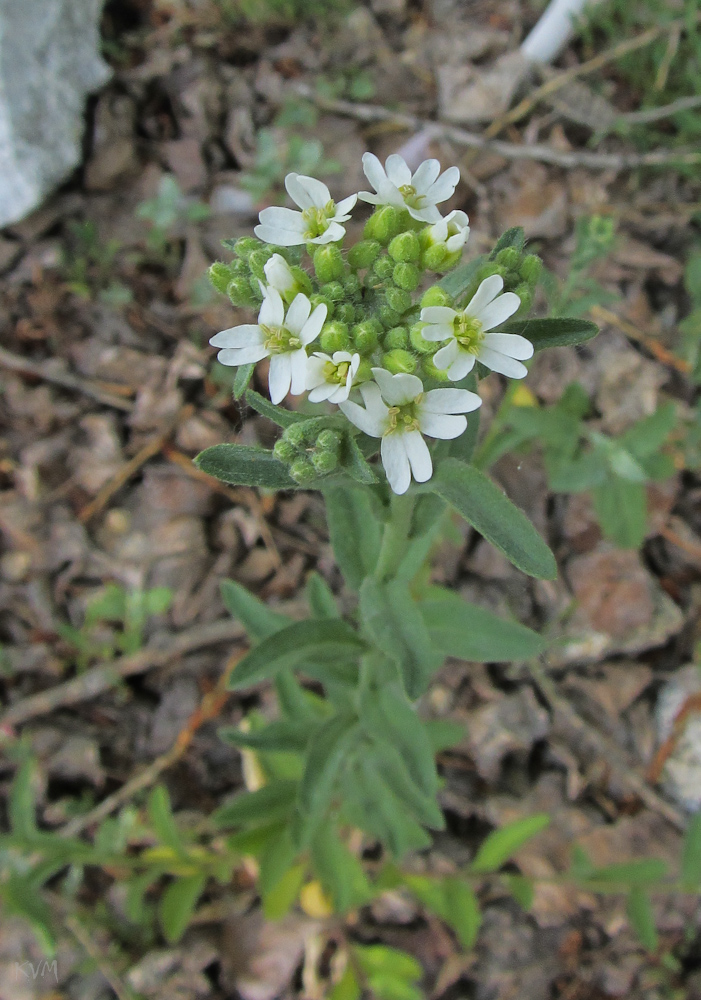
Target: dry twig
[
  {"x": 47, "y": 372},
  {"x": 653, "y": 346}
]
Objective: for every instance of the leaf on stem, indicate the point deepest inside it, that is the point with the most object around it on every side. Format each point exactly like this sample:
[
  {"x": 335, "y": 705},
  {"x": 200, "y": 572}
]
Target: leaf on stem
[{"x": 243, "y": 465}]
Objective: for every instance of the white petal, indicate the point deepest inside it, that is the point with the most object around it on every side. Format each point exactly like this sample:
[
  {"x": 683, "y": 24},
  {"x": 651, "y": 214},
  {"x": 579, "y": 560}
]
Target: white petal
[
  {"x": 397, "y": 170},
  {"x": 322, "y": 392},
  {"x": 458, "y": 218},
  {"x": 272, "y": 311},
  {"x": 396, "y": 462},
  {"x": 501, "y": 364},
  {"x": 425, "y": 175},
  {"x": 354, "y": 365},
  {"x": 397, "y": 389},
  {"x": 341, "y": 394},
  {"x": 297, "y": 192},
  {"x": 419, "y": 456},
  {"x": 462, "y": 366},
  {"x": 279, "y": 237},
  {"x": 449, "y": 401},
  {"x": 372, "y": 397},
  {"x": 344, "y": 207},
  {"x": 509, "y": 344},
  {"x": 312, "y": 328},
  {"x": 363, "y": 419},
  {"x": 339, "y": 357},
  {"x": 333, "y": 234},
  {"x": 232, "y": 356},
  {"x": 457, "y": 240},
  {"x": 298, "y": 314},
  {"x": 488, "y": 290},
  {"x": 444, "y": 187},
  {"x": 373, "y": 170},
  {"x": 370, "y": 198},
  {"x": 315, "y": 371},
  {"x": 438, "y": 314},
  {"x": 278, "y": 273},
  {"x": 442, "y": 425},
  {"x": 298, "y": 371},
  {"x": 447, "y": 356},
  {"x": 283, "y": 218},
  {"x": 438, "y": 332},
  {"x": 316, "y": 190},
  {"x": 280, "y": 377},
  {"x": 427, "y": 214},
  {"x": 499, "y": 310},
  {"x": 238, "y": 336}
]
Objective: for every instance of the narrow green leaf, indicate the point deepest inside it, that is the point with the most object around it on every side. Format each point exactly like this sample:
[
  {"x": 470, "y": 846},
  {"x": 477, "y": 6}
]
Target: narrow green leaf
[
  {"x": 257, "y": 618},
  {"x": 396, "y": 775},
  {"x": 469, "y": 632},
  {"x": 647, "y": 871},
  {"x": 462, "y": 911},
  {"x": 354, "y": 532},
  {"x": 178, "y": 904},
  {"x": 513, "y": 237},
  {"x": 501, "y": 845},
  {"x": 324, "y": 757},
  {"x": 241, "y": 380},
  {"x": 488, "y": 510},
  {"x": 642, "y": 918},
  {"x": 320, "y": 597},
  {"x": 320, "y": 640},
  {"x": 621, "y": 507},
  {"x": 21, "y": 803},
  {"x": 296, "y": 703},
  {"x": 339, "y": 871},
  {"x": 243, "y": 465},
  {"x": 521, "y": 888},
  {"x": 552, "y": 332},
  {"x": 347, "y": 987},
  {"x": 269, "y": 804},
  {"x": 374, "y": 958},
  {"x": 649, "y": 434},
  {"x": 279, "y": 735},
  {"x": 393, "y": 620},
  {"x": 20, "y": 897},
  {"x": 355, "y": 463},
  {"x": 278, "y": 414},
  {"x": 443, "y": 734},
  {"x": 691, "y": 855},
  {"x": 458, "y": 281},
  {"x": 370, "y": 804},
  {"x": 161, "y": 816},
  {"x": 388, "y": 714}
]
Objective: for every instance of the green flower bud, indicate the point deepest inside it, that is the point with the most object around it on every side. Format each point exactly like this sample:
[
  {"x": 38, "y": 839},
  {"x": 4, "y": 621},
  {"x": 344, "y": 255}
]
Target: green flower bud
[
  {"x": 333, "y": 290},
  {"x": 397, "y": 337},
  {"x": 328, "y": 263},
  {"x": 364, "y": 372},
  {"x": 351, "y": 285},
  {"x": 365, "y": 336},
  {"x": 296, "y": 434},
  {"x": 258, "y": 259},
  {"x": 322, "y": 300},
  {"x": 406, "y": 276},
  {"x": 509, "y": 258},
  {"x": 323, "y": 462},
  {"x": 329, "y": 440},
  {"x": 525, "y": 294},
  {"x": 398, "y": 299},
  {"x": 384, "y": 223},
  {"x": 304, "y": 282},
  {"x": 451, "y": 260},
  {"x": 388, "y": 317},
  {"x": 434, "y": 258},
  {"x": 302, "y": 471},
  {"x": 530, "y": 268},
  {"x": 220, "y": 274},
  {"x": 417, "y": 341},
  {"x": 405, "y": 247},
  {"x": 285, "y": 450},
  {"x": 399, "y": 362},
  {"x": 429, "y": 369},
  {"x": 363, "y": 254},
  {"x": 489, "y": 268},
  {"x": 245, "y": 245},
  {"x": 436, "y": 296},
  {"x": 334, "y": 337},
  {"x": 241, "y": 294},
  {"x": 383, "y": 268},
  {"x": 345, "y": 312}
]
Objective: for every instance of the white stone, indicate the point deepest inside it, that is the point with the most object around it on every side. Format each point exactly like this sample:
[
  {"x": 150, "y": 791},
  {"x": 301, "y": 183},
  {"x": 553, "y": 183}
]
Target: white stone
[{"x": 49, "y": 62}]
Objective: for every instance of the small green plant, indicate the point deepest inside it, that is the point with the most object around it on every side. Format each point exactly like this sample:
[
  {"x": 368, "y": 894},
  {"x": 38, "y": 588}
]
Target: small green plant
[
  {"x": 168, "y": 214},
  {"x": 88, "y": 265},
  {"x": 690, "y": 326},
  {"x": 594, "y": 240},
  {"x": 114, "y": 623}
]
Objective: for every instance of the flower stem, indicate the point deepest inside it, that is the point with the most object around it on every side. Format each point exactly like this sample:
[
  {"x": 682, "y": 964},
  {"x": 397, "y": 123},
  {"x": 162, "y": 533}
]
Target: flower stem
[{"x": 395, "y": 537}]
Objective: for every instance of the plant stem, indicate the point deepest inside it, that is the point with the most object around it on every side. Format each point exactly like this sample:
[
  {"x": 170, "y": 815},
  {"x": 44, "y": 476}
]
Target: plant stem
[{"x": 395, "y": 536}]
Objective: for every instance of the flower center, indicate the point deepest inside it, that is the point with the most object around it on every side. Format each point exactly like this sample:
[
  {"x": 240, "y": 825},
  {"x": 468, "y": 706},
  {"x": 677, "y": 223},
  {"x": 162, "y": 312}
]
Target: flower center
[
  {"x": 468, "y": 332},
  {"x": 336, "y": 373},
  {"x": 278, "y": 340},
  {"x": 316, "y": 219},
  {"x": 404, "y": 418},
  {"x": 411, "y": 198}
]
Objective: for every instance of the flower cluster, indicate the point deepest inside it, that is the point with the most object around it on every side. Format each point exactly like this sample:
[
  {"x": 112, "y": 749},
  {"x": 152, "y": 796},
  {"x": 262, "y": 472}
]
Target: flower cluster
[{"x": 352, "y": 335}]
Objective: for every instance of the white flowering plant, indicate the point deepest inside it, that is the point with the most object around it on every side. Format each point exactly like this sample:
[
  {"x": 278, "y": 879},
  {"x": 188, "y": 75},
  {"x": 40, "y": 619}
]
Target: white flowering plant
[{"x": 387, "y": 338}]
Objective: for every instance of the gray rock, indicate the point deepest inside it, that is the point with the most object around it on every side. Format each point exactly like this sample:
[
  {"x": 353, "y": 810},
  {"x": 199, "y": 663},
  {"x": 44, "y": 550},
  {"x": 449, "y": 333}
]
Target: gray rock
[{"x": 49, "y": 61}]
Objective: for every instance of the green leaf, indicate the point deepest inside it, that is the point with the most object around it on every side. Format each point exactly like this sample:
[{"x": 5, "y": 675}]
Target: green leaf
[
  {"x": 279, "y": 880},
  {"x": 458, "y": 281},
  {"x": 278, "y": 414},
  {"x": 21, "y": 804},
  {"x": 642, "y": 918},
  {"x": 647, "y": 871},
  {"x": 354, "y": 462},
  {"x": 374, "y": 958},
  {"x": 462, "y": 911},
  {"x": 296, "y": 703},
  {"x": 241, "y": 380},
  {"x": 514, "y": 237},
  {"x": 20, "y": 897},
  {"x": 648, "y": 435},
  {"x": 521, "y": 888},
  {"x": 242, "y": 465},
  {"x": 391, "y": 617},
  {"x": 354, "y": 532},
  {"x": 161, "y": 816},
  {"x": 389, "y": 714},
  {"x": 320, "y": 598},
  {"x": 347, "y": 987},
  {"x": 269, "y": 804},
  {"x": 397, "y": 777},
  {"x": 320, "y": 640},
  {"x": 369, "y": 803},
  {"x": 178, "y": 904},
  {"x": 339, "y": 870},
  {"x": 553, "y": 332},
  {"x": 501, "y": 845},
  {"x": 324, "y": 758},
  {"x": 621, "y": 507},
  {"x": 488, "y": 510},
  {"x": 691, "y": 855},
  {"x": 257, "y": 618},
  {"x": 443, "y": 734},
  {"x": 469, "y": 632},
  {"x": 279, "y": 735}
]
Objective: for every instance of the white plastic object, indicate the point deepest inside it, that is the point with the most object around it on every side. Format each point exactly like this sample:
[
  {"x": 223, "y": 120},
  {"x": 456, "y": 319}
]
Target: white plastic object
[{"x": 554, "y": 30}]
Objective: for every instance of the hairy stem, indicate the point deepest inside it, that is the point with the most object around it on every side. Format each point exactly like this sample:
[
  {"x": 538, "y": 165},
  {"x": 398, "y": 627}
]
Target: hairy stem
[{"x": 395, "y": 536}]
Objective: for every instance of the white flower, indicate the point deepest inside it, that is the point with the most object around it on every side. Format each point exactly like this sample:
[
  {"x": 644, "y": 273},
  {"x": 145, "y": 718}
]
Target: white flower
[
  {"x": 469, "y": 337},
  {"x": 399, "y": 411},
  {"x": 281, "y": 337},
  {"x": 279, "y": 274},
  {"x": 318, "y": 222},
  {"x": 331, "y": 378},
  {"x": 419, "y": 193},
  {"x": 452, "y": 232}
]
